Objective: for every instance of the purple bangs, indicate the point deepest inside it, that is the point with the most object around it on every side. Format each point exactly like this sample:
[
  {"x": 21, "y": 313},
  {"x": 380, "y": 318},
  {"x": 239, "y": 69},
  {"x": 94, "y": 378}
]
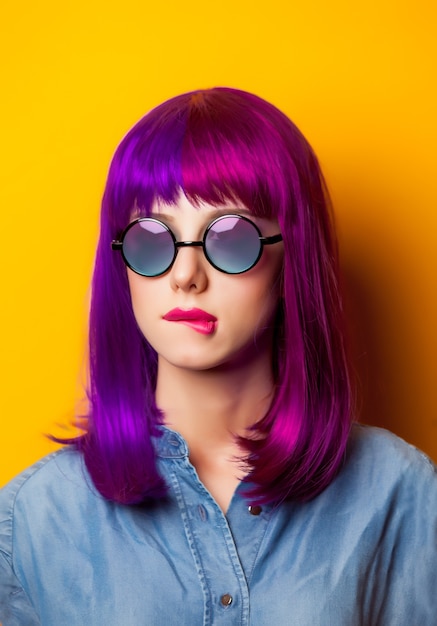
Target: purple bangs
[
  {"x": 180, "y": 146},
  {"x": 222, "y": 145}
]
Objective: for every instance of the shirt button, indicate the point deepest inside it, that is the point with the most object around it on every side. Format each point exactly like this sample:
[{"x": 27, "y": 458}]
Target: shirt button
[
  {"x": 255, "y": 510},
  {"x": 202, "y": 513},
  {"x": 226, "y": 599}
]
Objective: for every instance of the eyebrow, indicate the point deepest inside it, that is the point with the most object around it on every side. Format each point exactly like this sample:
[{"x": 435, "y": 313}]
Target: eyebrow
[{"x": 211, "y": 216}]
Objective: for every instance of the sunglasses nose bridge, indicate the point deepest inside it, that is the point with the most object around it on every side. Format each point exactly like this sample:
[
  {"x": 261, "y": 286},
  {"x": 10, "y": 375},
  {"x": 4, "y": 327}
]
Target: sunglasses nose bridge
[
  {"x": 188, "y": 244},
  {"x": 188, "y": 270},
  {"x": 178, "y": 245}
]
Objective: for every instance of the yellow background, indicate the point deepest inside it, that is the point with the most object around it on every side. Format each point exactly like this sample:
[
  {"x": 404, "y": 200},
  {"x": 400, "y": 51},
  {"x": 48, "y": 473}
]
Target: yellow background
[{"x": 358, "y": 79}]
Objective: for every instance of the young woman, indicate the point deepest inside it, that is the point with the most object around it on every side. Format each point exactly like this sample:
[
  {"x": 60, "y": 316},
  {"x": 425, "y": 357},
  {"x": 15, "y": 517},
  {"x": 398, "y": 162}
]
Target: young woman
[{"x": 218, "y": 479}]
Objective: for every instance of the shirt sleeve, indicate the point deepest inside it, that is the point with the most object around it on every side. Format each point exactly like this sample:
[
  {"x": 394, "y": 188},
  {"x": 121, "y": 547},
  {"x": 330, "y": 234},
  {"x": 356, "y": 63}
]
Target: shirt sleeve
[
  {"x": 15, "y": 607},
  {"x": 411, "y": 569}
]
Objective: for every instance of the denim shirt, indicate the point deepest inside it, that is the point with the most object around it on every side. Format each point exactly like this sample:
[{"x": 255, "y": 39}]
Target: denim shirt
[{"x": 362, "y": 553}]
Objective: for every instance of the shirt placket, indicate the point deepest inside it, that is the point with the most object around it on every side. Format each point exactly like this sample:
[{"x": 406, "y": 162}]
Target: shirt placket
[{"x": 213, "y": 549}]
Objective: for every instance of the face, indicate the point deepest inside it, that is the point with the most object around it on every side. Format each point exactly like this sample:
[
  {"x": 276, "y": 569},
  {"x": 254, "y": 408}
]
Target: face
[{"x": 197, "y": 317}]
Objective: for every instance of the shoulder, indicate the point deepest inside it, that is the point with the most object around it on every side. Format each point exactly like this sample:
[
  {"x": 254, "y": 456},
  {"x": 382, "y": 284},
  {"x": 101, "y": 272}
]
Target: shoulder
[
  {"x": 34, "y": 506},
  {"x": 60, "y": 470},
  {"x": 381, "y": 468},
  {"x": 376, "y": 449},
  {"x": 396, "y": 487},
  {"x": 58, "y": 480}
]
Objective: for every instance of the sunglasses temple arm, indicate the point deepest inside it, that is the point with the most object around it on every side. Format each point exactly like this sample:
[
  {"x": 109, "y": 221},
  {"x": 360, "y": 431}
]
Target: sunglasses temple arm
[{"x": 269, "y": 240}]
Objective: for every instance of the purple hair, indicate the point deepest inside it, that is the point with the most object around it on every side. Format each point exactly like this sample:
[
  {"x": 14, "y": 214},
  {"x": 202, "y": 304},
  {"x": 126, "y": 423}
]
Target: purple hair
[{"x": 217, "y": 145}]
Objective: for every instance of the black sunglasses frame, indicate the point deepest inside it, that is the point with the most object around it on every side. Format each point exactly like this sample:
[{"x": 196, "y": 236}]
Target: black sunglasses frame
[{"x": 117, "y": 244}]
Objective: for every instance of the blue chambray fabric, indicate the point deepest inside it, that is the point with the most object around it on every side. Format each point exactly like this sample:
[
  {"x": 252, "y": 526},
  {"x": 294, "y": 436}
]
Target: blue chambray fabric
[{"x": 362, "y": 553}]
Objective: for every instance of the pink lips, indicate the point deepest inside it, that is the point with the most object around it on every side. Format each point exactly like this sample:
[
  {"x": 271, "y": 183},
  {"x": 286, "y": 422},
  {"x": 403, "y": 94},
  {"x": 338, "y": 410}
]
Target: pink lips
[{"x": 200, "y": 321}]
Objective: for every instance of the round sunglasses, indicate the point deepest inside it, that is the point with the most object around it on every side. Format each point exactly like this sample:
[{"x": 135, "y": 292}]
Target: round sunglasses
[{"x": 232, "y": 244}]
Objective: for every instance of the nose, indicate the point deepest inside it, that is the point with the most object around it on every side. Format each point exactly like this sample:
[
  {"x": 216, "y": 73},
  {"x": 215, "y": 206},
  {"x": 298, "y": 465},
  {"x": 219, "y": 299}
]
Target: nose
[{"x": 188, "y": 272}]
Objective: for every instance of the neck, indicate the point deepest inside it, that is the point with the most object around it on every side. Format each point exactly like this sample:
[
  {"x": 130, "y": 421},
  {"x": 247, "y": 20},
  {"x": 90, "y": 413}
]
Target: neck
[{"x": 210, "y": 407}]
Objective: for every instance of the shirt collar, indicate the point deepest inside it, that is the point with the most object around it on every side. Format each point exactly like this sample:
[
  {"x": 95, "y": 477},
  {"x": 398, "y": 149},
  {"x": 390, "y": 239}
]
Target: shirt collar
[{"x": 170, "y": 444}]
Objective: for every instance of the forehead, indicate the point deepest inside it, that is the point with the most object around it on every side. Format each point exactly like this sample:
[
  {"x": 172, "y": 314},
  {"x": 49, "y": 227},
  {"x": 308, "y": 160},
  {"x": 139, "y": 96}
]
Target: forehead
[
  {"x": 184, "y": 207},
  {"x": 184, "y": 211}
]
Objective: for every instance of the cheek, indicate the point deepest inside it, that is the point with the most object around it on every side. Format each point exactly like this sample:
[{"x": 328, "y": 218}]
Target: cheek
[
  {"x": 251, "y": 304},
  {"x": 143, "y": 294},
  {"x": 136, "y": 292},
  {"x": 265, "y": 283},
  {"x": 266, "y": 308}
]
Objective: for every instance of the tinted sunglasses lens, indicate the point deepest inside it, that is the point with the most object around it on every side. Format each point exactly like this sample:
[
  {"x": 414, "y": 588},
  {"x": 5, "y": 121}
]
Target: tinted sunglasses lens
[
  {"x": 148, "y": 247},
  {"x": 232, "y": 244}
]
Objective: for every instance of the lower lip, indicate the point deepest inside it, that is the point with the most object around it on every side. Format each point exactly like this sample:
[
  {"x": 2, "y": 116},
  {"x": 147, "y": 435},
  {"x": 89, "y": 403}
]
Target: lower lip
[{"x": 204, "y": 327}]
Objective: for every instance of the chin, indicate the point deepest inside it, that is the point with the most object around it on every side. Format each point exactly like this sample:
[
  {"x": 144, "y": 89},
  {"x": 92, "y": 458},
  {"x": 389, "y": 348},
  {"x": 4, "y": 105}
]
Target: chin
[{"x": 192, "y": 362}]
